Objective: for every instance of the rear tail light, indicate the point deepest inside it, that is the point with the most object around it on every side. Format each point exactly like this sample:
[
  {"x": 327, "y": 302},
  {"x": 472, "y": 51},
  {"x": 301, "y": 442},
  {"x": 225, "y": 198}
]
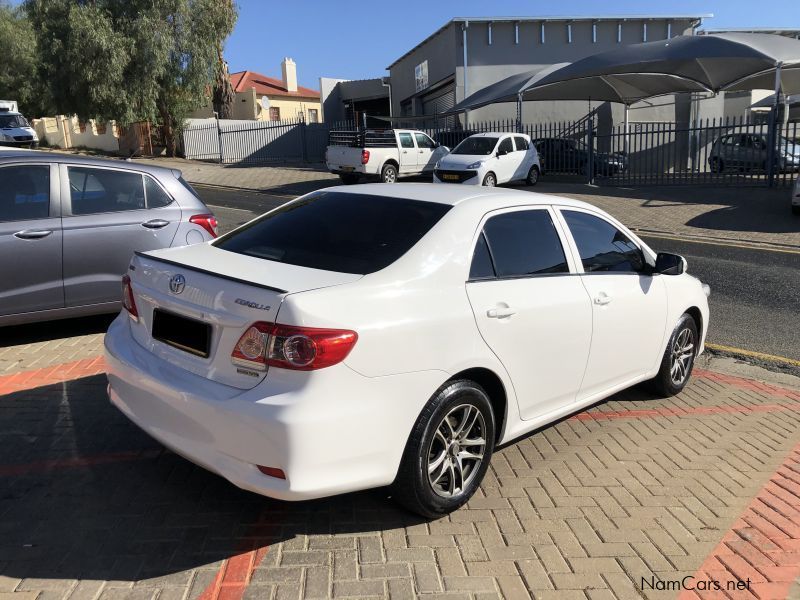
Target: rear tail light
[
  {"x": 364, "y": 157},
  {"x": 207, "y": 222},
  {"x": 288, "y": 347},
  {"x": 127, "y": 298}
]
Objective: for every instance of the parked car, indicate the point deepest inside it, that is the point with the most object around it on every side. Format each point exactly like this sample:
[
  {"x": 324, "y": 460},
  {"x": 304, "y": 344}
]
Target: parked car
[
  {"x": 361, "y": 336},
  {"x": 490, "y": 159},
  {"x": 16, "y": 131},
  {"x": 748, "y": 152},
  {"x": 562, "y": 155},
  {"x": 69, "y": 226},
  {"x": 381, "y": 154},
  {"x": 796, "y": 197}
]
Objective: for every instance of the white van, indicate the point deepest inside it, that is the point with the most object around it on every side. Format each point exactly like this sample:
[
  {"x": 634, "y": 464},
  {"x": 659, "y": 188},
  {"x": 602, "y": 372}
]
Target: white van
[{"x": 14, "y": 127}]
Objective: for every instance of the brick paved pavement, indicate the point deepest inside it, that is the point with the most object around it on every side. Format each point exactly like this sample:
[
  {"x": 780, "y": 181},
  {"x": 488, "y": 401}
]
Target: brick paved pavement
[
  {"x": 636, "y": 487},
  {"x": 754, "y": 215}
]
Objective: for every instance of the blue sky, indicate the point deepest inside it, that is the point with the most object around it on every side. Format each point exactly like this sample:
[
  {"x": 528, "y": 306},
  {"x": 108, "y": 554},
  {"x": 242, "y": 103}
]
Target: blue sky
[{"x": 358, "y": 39}]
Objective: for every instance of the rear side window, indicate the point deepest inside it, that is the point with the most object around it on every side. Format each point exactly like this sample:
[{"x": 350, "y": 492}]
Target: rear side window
[
  {"x": 602, "y": 246},
  {"x": 24, "y": 193},
  {"x": 520, "y": 142},
  {"x": 156, "y": 196},
  {"x": 524, "y": 243},
  {"x": 104, "y": 190},
  {"x": 406, "y": 140},
  {"x": 337, "y": 231},
  {"x": 482, "y": 267}
]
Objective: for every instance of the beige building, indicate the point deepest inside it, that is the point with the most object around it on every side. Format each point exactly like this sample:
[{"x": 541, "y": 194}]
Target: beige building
[{"x": 263, "y": 98}]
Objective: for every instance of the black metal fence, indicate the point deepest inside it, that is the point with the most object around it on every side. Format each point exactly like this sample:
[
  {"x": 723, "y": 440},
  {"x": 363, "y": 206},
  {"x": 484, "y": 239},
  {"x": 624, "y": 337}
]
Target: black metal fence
[{"x": 732, "y": 151}]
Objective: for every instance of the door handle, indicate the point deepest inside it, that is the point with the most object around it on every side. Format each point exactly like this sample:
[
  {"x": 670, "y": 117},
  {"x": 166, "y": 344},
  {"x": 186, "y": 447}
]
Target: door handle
[
  {"x": 405, "y": 151},
  {"x": 32, "y": 234},
  {"x": 155, "y": 224},
  {"x": 602, "y": 299},
  {"x": 501, "y": 312}
]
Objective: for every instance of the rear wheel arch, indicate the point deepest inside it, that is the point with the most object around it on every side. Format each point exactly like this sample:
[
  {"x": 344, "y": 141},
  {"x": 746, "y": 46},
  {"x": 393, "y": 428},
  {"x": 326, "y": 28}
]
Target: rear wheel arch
[
  {"x": 391, "y": 161},
  {"x": 494, "y": 388}
]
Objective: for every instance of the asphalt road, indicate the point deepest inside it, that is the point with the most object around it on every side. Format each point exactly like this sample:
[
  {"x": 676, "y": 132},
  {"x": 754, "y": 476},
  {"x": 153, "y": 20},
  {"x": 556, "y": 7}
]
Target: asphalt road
[{"x": 754, "y": 293}]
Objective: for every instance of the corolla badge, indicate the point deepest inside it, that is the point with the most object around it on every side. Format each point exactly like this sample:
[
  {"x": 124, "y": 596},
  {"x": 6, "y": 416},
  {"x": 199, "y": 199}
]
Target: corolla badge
[{"x": 177, "y": 283}]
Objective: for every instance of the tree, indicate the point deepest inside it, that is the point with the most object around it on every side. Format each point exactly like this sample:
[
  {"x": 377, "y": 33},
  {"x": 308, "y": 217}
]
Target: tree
[
  {"x": 223, "y": 94},
  {"x": 18, "y": 67},
  {"x": 131, "y": 60}
]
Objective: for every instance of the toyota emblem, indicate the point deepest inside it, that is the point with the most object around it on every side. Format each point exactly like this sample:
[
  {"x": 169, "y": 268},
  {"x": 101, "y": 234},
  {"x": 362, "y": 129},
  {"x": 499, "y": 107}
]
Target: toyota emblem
[{"x": 177, "y": 283}]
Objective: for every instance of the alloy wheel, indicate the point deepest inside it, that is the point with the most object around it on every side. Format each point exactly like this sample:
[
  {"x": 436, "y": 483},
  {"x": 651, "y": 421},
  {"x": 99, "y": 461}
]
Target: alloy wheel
[
  {"x": 457, "y": 450},
  {"x": 681, "y": 356}
]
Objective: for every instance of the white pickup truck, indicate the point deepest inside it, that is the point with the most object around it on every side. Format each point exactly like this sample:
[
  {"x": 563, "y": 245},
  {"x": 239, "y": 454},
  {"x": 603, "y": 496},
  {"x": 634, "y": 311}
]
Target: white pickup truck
[{"x": 382, "y": 154}]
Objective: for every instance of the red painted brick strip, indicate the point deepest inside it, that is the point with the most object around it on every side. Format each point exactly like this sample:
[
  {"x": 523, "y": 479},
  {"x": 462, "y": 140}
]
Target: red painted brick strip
[
  {"x": 235, "y": 573},
  {"x": 28, "y": 380},
  {"x": 77, "y": 462},
  {"x": 747, "y": 384},
  {"x": 764, "y": 543},
  {"x": 682, "y": 412}
]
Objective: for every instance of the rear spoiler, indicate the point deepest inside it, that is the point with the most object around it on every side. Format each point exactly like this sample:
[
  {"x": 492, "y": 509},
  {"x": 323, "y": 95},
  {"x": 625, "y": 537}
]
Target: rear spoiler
[{"x": 206, "y": 272}]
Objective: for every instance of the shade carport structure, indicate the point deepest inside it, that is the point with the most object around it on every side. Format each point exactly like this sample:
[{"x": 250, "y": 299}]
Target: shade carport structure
[{"x": 704, "y": 63}]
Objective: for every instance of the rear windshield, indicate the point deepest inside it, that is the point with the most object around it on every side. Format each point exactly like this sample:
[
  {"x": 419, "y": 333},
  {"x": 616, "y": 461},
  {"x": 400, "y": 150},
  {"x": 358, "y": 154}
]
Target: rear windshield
[
  {"x": 482, "y": 146},
  {"x": 337, "y": 231}
]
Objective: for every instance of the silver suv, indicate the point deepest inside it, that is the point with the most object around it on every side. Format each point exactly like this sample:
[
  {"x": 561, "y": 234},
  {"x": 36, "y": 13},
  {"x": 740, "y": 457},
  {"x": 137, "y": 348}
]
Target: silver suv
[
  {"x": 69, "y": 226},
  {"x": 748, "y": 151}
]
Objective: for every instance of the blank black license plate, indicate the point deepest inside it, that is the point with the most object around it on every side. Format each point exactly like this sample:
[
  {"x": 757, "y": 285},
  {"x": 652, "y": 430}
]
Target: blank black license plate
[{"x": 186, "y": 334}]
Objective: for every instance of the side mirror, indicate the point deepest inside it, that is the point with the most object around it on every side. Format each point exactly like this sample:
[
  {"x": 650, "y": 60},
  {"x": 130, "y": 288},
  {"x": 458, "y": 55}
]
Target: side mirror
[{"x": 669, "y": 264}]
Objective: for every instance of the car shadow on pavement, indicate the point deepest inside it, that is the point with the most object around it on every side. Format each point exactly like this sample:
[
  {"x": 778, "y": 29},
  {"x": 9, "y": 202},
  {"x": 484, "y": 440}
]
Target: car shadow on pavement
[
  {"x": 45, "y": 331},
  {"x": 84, "y": 494}
]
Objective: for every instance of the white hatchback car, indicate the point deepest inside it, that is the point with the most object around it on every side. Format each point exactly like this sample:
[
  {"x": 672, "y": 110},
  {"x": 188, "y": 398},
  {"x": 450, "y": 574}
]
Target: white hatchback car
[
  {"x": 490, "y": 159},
  {"x": 369, "y": 335}
]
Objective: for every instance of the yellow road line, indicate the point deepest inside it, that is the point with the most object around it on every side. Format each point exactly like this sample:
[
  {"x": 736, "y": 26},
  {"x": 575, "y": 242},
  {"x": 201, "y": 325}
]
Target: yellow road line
[
  {"x": 692, "y": 240},
  {"x": 759, "y": 355}
]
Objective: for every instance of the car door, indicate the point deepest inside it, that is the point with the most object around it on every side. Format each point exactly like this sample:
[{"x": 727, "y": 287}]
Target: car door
[
  {"x": 506, "y": 163},
  {"x": 530, "y": 310},
  {"x": 523, "y": 157},
  {"x": 110, "y": 213},
  {"x": 30, "y": 239},
  {"x": 629, "y": 304},
  {"x": 426, "y": 156},
  {"x": 408, "y": 152}
]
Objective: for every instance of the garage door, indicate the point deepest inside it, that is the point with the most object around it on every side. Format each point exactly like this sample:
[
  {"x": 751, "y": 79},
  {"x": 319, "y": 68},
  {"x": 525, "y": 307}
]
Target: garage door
[{"x": 438, "y": 102}]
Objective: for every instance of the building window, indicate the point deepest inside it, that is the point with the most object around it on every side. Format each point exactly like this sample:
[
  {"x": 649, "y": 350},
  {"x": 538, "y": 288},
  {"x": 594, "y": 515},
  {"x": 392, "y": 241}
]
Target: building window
[
  {"x": 313, "y": 115},
  {"x": 421, "y": 75},
  {"x": 274, "y": 113}
]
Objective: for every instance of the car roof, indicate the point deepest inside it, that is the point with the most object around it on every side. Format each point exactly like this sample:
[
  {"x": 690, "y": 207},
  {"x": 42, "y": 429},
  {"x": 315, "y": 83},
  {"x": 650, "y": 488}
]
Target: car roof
[
  {"x": 495, "y": 134},
  {"x": 454, "y": 195},
  {"x": 16, "y": 154}
]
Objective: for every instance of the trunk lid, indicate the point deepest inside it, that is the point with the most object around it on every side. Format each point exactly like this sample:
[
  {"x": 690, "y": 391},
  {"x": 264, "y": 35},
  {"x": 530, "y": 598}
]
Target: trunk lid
[{"x": 204, "y": 298}]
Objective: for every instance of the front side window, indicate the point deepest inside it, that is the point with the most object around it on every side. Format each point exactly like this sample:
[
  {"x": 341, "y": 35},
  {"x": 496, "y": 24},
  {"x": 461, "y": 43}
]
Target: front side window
[
  {"x": 478, "y": 146},
  {"x": 24, "y": 193},
  {"x": 104, "y": 190},
  {"x": 603, "y": 247},
  {"x": 506, "y": 146},
  {"x": 524, "y": 243},
  {"x": 423, "y": 141},
  {"x": 337, "y": 231},
  {"x": 406, "y": 141}
]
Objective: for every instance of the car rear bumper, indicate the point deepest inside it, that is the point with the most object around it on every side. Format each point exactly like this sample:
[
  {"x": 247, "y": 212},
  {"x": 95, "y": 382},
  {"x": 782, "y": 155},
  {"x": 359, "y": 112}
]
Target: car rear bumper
[{"x": 330, "y": 431}]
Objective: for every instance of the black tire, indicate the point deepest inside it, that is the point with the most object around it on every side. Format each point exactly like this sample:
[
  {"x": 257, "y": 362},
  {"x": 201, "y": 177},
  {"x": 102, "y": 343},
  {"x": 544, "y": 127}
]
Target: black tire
[
  {"x": 533, "y": 176},
  {"x": 389, "y": 173},
  {"x": 716, "y": 164},
  {"x": 348, "y": 178},
  {"x": 664, "y": 384},
  {"x": 489, "y": 180},
  {"x": 413, "y": 487},
  {"x": 795, "y": 209}
]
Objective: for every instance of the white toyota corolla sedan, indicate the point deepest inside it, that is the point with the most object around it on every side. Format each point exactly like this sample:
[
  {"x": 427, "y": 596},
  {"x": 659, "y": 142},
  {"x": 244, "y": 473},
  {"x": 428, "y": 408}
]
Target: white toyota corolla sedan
[
  {"x": 369, "y": 335},
  {"x": 490, "y": 159}
]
